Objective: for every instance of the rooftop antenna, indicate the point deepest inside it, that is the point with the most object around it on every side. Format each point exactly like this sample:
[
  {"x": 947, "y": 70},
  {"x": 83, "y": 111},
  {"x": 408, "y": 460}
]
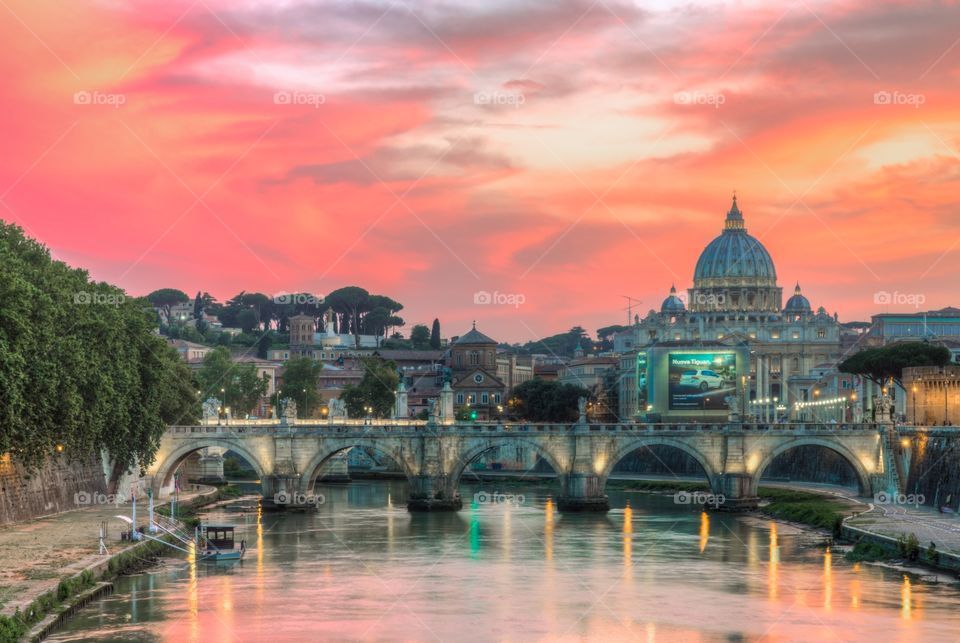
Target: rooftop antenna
[{"x": 629, "y": 308}]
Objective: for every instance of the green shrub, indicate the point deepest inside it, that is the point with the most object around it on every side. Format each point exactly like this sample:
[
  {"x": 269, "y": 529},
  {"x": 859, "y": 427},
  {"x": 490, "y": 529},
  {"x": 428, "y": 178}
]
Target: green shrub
[{"x": 867, "y": 551}]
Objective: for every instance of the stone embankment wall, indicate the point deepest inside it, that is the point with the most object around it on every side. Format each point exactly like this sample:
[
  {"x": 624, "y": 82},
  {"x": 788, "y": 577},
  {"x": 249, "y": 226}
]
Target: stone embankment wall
[
  {"x": 935, "y": 470},
  {"x": 50, "y": 489}
]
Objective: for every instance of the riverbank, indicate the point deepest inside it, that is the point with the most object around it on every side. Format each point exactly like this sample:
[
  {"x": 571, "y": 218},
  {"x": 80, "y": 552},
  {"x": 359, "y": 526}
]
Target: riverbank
[{"x": 53, "y": 563}]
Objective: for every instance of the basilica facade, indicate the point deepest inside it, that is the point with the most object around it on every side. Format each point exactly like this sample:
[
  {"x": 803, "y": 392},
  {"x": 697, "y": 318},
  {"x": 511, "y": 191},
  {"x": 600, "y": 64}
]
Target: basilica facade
[{"x": 735, "y": 301}]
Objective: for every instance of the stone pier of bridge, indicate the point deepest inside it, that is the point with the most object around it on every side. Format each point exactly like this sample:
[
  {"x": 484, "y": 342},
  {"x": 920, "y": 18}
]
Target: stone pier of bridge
[{"x": 289, "y": 458}]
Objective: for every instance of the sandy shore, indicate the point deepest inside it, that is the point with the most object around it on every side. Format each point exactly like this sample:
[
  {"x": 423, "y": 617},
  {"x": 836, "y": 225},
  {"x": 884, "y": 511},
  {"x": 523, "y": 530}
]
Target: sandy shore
[{"x": 36, "y": 554}]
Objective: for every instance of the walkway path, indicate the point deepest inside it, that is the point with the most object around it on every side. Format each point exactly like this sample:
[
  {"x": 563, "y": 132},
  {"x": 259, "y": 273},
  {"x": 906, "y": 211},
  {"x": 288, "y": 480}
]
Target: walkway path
[{"x": 36, "y": 554}]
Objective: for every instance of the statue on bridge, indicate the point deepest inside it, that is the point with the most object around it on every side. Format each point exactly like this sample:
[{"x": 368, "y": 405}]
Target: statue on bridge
[
  {"x": 211, "y": 408},
  {"x": 582, "y": 409},
  {"x": 289, "y": 412},
  {"x": 733, "y": 404},
  {"x": 338, "y": 409},
  {"x": 883, "y": 409}
]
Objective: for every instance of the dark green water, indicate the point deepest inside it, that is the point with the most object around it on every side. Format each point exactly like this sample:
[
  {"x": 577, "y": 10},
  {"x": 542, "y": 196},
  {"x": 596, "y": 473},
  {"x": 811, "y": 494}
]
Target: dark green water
[{"x": 362, "y": 568}]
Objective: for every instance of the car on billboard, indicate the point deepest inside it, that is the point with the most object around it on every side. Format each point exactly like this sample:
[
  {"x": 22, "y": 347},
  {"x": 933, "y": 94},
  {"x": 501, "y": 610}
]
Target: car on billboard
[{"x": 702, "y": 379}]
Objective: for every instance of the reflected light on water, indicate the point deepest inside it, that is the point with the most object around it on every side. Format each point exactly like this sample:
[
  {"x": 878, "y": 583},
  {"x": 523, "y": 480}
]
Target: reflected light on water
[
  {"x": 474, "y": 533},
  {"x": 548, "y": 530},
  {"x": 906, "y": 598},
  {"x": 855, "y": 588},
  {"x": 193, "y": 593},
  {"x": 704, "y": 530},
  {"x": 827, "y": 578},
  {"x": 773, "y": 579},
  {"x": 258, "y": 592},
  {"x": 628, "y": 542}
]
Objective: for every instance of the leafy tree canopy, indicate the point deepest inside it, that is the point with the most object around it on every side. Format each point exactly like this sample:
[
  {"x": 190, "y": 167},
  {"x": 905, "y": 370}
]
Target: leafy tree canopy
[
  {"x": 376, "y": 390},
  {"x": 538, "y": 400},
  {"x": 80, "y": 366},
  {"x": 885, "y": 363}
]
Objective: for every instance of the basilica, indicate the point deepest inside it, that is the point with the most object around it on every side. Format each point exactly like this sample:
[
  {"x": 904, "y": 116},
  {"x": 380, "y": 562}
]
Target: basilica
[{"x": 735, "y": 301}]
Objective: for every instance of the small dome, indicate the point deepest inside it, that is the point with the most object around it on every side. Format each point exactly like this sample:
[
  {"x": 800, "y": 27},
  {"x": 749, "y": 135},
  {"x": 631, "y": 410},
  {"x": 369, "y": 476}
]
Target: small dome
[
  {"x": 798, "y": 303},
  {"x": 673, "y": 304}
]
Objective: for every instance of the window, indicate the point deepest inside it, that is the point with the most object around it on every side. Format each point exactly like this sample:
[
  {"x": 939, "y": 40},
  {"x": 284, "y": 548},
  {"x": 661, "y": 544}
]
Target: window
[
  {"x": 485, "y": 398},
  {"x": 496, "y": 398},
  {"x": 821, "y": 333},
  {"x": 459, "y": 398},
  {"x": 474, "y": 358},
  {"x": 473, "y": 398}
]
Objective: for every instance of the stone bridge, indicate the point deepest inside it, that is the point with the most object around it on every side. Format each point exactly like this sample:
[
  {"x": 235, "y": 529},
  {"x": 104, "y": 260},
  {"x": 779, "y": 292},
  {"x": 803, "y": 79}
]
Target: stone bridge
[{"x": 289, "y": 457}]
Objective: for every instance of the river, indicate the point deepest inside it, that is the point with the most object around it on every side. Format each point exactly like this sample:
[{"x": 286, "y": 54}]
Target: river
[{"x": 363, "y": 568}]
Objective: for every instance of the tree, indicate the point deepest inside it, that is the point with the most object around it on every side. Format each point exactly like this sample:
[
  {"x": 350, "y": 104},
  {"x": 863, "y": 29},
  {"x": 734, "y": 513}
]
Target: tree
[
  {"x": 563, "y": 344},
  {"x": 263, "y": 345},
  {"x": 248, "y": 320},
  {"x": 886, "y": 363},
  {"x": 538, "y": 400},
  {"x": 165, "y": 298},
  {"x": 198, "y": 306},
  {"x": 349, "y": 303},
  {"x": 376, "y": 390},
  {"x": 81, "y": 368},
  {"x": 420, "y": 337},
  {"x": 236, "y": 384},
  {"x": 301, "y": 376},
  {"x": 435, "y": 335}
]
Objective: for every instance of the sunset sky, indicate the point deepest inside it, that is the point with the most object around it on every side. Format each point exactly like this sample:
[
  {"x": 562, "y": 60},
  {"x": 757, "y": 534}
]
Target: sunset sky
[{"x": 568, "y": 152}]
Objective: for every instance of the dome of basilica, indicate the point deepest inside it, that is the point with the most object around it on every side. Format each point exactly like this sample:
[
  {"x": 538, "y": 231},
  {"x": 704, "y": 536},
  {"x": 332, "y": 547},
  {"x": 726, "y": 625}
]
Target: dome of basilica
[{"x": 734, "y": 255}]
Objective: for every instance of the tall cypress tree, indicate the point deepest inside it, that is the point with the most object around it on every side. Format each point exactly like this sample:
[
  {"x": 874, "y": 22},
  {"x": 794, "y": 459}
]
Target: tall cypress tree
[{"x": 435, "y": 335}]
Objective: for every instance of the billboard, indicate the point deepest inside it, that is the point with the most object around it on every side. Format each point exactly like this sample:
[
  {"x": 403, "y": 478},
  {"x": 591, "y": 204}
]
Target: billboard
[
  {"x": 702, "y": 381},
  {"x": 642, "y": 374}
]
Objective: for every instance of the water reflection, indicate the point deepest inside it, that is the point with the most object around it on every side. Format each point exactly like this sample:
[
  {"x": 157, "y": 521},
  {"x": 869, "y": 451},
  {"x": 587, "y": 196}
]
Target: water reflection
[
  {"x": 627, "y": 542},
  {"x": 774, "y": 568},
  {"x": 827, "y": 578},
  {"x": 362, "y": 568},
  {"x": 906, "y": 599},
  {"x": 704, "y": 530}
]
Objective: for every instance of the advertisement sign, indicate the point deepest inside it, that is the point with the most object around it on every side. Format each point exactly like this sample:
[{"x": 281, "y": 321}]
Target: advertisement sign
[
  {"x": 702, "y": 381},
  {"x": 642, "y": 381}
]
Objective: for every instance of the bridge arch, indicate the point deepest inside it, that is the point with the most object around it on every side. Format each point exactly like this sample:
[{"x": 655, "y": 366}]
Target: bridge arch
[
  {"x": 640, "y": 443},
  {"x": 165, "y": 468},
  {"x": 862, "y": 475},
  {"x": 313, "y": 468},
  {"x": 474, "y": 451}
]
